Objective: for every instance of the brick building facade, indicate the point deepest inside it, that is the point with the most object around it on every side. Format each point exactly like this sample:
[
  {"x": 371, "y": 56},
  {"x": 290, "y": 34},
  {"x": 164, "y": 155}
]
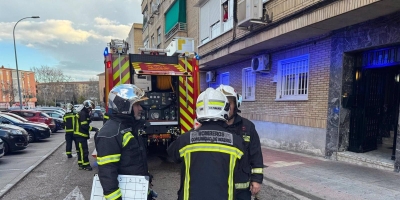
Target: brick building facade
[{"x": 314, "y": 50}]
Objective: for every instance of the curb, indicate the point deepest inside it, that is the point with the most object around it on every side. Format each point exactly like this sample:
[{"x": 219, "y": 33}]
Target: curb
[
  {"x": 17, "y": 179},
  {"x": 290, "y": 190}
]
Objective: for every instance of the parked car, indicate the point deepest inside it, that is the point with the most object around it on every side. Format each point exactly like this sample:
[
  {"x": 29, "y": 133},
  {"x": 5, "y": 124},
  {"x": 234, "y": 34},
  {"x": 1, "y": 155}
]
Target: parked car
[
  {"x": 1, "y": 148},
  {"x": 35, "y": 131},
  {"x": 23, "y": 119},
  {"x": 96, "y": 115},
  {"x": 53, "y": 114},
  {"x": 37, "y": 116},
  {"x": 61, "y": 112},
  {"x": 15, "y": 138}
]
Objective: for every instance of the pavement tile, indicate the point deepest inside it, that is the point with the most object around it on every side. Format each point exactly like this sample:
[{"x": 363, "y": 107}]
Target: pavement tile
[{"x": 329, "y": 179}]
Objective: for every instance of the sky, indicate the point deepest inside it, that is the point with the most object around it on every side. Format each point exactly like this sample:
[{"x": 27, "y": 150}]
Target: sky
[{"x": 70, "y": 34}]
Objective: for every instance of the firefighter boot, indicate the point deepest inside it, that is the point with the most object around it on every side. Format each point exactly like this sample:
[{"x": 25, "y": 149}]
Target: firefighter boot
[{"x": 87, "y": 168}]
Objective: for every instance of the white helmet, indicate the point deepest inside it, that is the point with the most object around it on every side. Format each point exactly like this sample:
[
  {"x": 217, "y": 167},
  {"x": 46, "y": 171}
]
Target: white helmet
[
  {"x": 212, "y": 105},
  {"x": 230, "y": 92},
  {"x": 69, "y": 107}
]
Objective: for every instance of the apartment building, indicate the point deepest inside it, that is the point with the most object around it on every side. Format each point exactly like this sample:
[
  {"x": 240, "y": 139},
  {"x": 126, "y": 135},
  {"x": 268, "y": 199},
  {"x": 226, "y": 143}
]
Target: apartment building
[
  {"x": 9, "y": 95},
  {"x": 165, "y": 19},
  {"x": 135, "y": 38},
  {"x": 317, "y": 76}
]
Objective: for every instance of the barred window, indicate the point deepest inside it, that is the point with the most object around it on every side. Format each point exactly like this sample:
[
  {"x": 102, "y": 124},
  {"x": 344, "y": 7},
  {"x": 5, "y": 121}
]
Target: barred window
[
  {"x": 248, "y": 84},
  {"x": 293, "y": 76}
]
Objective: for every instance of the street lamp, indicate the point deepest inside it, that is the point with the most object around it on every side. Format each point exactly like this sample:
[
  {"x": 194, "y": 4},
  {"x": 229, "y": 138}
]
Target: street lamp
[{"x": 16, "y": 62}]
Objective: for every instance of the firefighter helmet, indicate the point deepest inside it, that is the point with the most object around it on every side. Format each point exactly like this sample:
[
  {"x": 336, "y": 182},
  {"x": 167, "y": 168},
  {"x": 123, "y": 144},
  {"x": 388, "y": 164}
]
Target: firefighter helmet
[
  {"x": 212, "y": 105},
  {"x": 88, "y": 104},
  {"x": 230, "y": 92},
  {"x": 122, "y": 97},
  {"x": 69, "y": 107}
]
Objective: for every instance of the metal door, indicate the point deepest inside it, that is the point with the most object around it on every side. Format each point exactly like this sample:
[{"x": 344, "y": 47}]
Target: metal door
[{"x": 365, "y": 115}]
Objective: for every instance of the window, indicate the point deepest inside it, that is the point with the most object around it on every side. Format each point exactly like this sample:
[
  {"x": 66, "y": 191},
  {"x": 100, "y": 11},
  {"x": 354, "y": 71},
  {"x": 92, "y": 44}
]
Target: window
[
  {"x": 145, "y": 18},
  {"x": 153, "y": 44},
  {"x": 146, "y": 43},
  {"x": 248, "y": 84},
  {"x": 28, "y": 114},
  {"x": 293, "y": 79},
  {"x": 159, "y": 35},
  {"x": 225, "y": 78}
]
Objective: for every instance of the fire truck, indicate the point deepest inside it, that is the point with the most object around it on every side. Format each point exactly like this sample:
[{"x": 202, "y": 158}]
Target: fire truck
[{"x": 170, "y": 79}]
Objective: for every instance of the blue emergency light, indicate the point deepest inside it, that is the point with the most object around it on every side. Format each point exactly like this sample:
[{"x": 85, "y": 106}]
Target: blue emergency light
[{"x": 106, "y": 51}]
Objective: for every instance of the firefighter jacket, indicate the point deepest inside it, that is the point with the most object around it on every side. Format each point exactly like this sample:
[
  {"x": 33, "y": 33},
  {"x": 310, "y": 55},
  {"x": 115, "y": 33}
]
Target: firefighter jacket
[
  {"x": 209, "y": 156},
  {"x": 69, "y": 122},
  {"x": 120, "y": 150},
  {"x": 251, "y": 165},
  {"x": 82, "y": 127}
]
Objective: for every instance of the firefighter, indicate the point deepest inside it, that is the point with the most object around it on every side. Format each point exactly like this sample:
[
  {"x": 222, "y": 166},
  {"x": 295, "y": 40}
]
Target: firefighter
[
  {"x": 82, "y": 134},
  {"x": 119, "y": 144},
  {"x": 209, "y": 153},
  {"x": 69, "y": 119},
  {"x": 249, "y": 178}
]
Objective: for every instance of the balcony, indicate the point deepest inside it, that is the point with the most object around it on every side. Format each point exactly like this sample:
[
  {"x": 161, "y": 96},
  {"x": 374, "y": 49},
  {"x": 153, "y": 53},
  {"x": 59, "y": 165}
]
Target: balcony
[{"x": 178, "y": 27}]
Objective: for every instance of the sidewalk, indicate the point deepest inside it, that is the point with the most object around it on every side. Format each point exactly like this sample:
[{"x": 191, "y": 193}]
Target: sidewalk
[{"x": 319, "y": 178}]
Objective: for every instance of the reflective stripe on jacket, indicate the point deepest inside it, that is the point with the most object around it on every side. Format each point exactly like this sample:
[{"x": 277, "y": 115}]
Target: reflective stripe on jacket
[
  {"x": 69, "y": 122},
  {"x": 120, "y": 150},
  {"x": 209, "y": 155},
  {"x": 251, "y": 165},
  {"x": 82, "y": 127}
]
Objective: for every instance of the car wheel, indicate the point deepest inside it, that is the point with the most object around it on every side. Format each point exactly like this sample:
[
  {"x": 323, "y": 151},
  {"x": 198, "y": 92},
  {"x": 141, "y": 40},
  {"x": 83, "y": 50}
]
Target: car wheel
[
  {"x": 31, "y": 137},
  {"x": 6, "y": 148},
  {"x": 54, "y": 130}
]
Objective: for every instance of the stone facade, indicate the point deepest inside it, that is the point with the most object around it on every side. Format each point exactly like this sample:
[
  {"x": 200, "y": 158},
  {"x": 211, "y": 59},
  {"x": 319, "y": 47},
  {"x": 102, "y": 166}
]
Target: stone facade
[{"x": 377, "y": 33}]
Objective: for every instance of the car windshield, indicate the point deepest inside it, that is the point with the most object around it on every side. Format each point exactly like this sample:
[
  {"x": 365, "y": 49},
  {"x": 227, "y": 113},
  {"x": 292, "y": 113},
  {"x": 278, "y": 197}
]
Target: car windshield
[
  {"x": 17, "y": 116},
  {"x": 97, "y": 111},
  {"x": 12, "y": 119}
]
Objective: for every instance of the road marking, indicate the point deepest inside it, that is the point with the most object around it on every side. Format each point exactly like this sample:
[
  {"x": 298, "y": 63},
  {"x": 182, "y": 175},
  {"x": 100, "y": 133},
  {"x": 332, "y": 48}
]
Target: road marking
[
  {"x": 284, "y": 164},
  {"x": 75, "y": 194}
]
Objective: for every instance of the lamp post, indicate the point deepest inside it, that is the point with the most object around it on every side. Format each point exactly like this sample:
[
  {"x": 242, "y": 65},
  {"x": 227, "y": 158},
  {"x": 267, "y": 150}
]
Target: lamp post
[{"x": 16, "y": 62}]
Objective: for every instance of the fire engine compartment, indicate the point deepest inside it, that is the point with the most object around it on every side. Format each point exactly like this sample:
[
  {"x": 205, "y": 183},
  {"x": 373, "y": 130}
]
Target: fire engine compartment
[{"x": 161, "y": 109}]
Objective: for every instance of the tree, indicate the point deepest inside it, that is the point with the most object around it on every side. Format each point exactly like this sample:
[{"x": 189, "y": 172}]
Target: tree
[
  {"x": 9, "y": 91},
  {"x": 51, "y": 80},
  {"x": 81, "y": 99}
]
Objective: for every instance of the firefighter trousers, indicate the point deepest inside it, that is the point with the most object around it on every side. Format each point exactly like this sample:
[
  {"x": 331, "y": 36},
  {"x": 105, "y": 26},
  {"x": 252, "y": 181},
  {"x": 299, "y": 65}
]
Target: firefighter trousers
[
  {"x": 83, "y": 159},
  {"x": 243, "y": 194},
  {"x": 69, "y": 137}
]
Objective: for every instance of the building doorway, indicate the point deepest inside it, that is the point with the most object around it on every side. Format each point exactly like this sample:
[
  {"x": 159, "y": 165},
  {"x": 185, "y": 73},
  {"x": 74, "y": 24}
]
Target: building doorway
[{"x": 375, "y": 104}]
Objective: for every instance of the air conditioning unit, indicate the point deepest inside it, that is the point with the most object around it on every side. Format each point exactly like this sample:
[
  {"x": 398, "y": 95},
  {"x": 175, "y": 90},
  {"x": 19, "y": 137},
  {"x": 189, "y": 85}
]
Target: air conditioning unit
[
  {"x": 249, "y": 12},
  {"x": 210, "y": 77},
  {"x": 261, "y": 64},
  {"x": 155, "y": 6}
]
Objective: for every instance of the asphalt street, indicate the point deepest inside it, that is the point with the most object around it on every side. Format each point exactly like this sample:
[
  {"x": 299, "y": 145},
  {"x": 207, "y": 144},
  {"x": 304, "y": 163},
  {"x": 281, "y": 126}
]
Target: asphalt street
[
  {"x": 19, "y": 163},
  {"x": 59, "y": 178}
]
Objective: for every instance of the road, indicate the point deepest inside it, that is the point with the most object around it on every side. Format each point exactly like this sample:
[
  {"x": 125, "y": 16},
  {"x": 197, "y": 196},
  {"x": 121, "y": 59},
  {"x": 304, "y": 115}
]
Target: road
[
  {"x": 58, "y": 177},
  {"x": 19, "y": 163}
]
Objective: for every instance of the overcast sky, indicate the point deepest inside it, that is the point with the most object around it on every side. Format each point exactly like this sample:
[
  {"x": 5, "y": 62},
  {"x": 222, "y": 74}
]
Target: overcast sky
[{"x": 70, "y": 34}]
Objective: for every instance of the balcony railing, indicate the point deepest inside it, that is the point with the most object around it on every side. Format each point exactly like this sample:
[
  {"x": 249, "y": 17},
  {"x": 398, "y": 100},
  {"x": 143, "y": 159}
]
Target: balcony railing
[{"x": 179, "y": 26}]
